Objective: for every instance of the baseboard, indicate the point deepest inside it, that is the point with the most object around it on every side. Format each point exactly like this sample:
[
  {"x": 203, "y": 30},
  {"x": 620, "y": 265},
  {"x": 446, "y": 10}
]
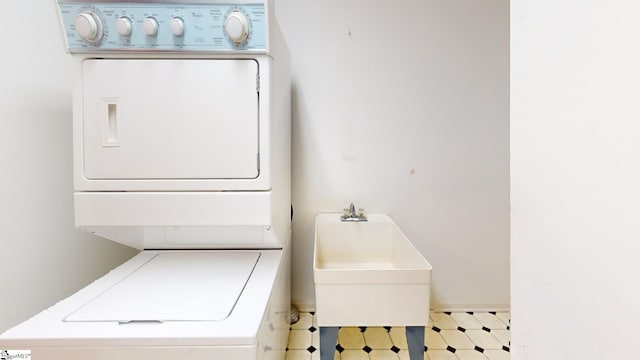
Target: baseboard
[
  {"x": 310, "y": 306},
  {"x": 460, "y": 307}
]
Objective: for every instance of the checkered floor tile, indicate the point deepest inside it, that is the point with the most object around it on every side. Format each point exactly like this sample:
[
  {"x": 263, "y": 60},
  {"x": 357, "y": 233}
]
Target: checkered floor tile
[{"x": 450, "y": 336}]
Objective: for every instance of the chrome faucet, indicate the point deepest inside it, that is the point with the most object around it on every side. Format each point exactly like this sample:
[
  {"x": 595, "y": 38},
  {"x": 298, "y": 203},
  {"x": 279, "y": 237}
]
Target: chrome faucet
[{"x": 351, "y": 215}]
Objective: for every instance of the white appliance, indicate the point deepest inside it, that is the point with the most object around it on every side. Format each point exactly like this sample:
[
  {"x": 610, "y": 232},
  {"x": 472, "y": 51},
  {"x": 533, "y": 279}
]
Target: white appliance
[{"x": 181, "y": 121}]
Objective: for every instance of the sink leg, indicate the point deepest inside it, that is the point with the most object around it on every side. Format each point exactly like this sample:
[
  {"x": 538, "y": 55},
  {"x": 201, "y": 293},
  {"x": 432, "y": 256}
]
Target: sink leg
[
  {"x": 328, "y": 341},
  {"x": 415, "y": 340}
]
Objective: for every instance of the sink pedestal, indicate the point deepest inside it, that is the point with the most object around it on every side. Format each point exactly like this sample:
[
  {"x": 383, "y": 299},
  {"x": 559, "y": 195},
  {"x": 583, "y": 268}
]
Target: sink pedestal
[{"x": 369, "y": 274}]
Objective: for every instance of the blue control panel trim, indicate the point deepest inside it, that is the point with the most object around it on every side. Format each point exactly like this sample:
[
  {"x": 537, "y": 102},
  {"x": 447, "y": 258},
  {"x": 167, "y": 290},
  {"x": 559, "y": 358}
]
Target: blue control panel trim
[{"x": 203, "y": 27}]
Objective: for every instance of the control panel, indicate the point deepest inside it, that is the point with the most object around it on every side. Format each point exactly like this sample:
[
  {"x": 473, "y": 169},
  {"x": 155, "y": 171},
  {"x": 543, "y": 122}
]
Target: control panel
[{"x": 164, "y": 26}]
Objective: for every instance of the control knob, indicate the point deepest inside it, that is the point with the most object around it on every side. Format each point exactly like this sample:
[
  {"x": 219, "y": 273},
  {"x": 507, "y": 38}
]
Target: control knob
[
  {"x": 237, "y": 27},
  {"x": 124, "y": 26},
  {"x": 150, "y": 26},
  {"x": 177, "y": 26},
  {"x": 89, "y": 26}
]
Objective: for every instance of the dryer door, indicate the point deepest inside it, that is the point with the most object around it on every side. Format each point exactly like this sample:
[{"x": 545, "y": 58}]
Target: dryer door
[{"x": 170, "y": 119}]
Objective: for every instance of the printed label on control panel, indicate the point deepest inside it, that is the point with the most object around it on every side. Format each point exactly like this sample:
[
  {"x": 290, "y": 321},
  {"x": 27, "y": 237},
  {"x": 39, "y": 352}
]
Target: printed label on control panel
[{"x": 173, "y": 27}]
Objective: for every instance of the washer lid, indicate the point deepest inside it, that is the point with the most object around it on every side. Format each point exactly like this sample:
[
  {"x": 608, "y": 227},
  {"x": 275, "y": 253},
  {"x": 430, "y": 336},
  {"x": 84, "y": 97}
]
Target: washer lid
[{"x": 174, "y": 286}]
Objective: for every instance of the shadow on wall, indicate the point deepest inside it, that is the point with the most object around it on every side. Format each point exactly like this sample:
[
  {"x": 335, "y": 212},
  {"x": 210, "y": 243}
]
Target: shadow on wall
[{"x": 307, "y": 176}]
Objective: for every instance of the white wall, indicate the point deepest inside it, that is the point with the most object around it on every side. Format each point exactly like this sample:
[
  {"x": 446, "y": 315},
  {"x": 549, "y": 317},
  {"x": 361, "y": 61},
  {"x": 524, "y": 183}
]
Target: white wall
[
  {"x": 402, "y": 107},
  {"x": 575, "y": 179},
  {"x": 43, "y": 258}
]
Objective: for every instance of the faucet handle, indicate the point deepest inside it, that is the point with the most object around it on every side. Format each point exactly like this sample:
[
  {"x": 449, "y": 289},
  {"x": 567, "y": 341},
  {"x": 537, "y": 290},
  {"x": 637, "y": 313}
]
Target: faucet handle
[{"x": 361, "y": 213}]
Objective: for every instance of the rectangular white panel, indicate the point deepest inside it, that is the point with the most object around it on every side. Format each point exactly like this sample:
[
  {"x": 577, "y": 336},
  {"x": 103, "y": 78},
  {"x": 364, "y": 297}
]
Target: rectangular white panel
[
  {"x": 172, "y": 208},
  {"x": 170, "y": 119},
  {"x": 174, "y": 286}
]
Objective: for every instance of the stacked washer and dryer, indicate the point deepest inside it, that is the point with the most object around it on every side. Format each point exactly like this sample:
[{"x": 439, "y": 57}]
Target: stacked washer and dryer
[{"x": 181, "y": 130}]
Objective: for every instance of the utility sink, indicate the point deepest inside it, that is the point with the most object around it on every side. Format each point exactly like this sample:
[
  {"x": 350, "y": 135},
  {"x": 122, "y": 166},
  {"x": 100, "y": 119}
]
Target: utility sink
[{"x": 368, "y": 274}]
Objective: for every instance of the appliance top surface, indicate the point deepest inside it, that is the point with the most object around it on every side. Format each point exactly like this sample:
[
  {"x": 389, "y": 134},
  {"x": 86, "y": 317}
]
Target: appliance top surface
[
  {"x": 174, "y": 286},
  {"x": 156, "y": 285},
  {"x": 192, "y": 26}
]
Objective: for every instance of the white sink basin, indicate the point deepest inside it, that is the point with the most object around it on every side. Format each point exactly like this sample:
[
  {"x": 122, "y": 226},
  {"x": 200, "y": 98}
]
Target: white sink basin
[{"x": 368, "y": 274}]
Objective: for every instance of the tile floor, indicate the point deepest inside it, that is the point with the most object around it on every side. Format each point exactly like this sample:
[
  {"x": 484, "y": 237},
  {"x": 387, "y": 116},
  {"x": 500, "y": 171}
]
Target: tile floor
[{"x": 450, "y": 336}]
